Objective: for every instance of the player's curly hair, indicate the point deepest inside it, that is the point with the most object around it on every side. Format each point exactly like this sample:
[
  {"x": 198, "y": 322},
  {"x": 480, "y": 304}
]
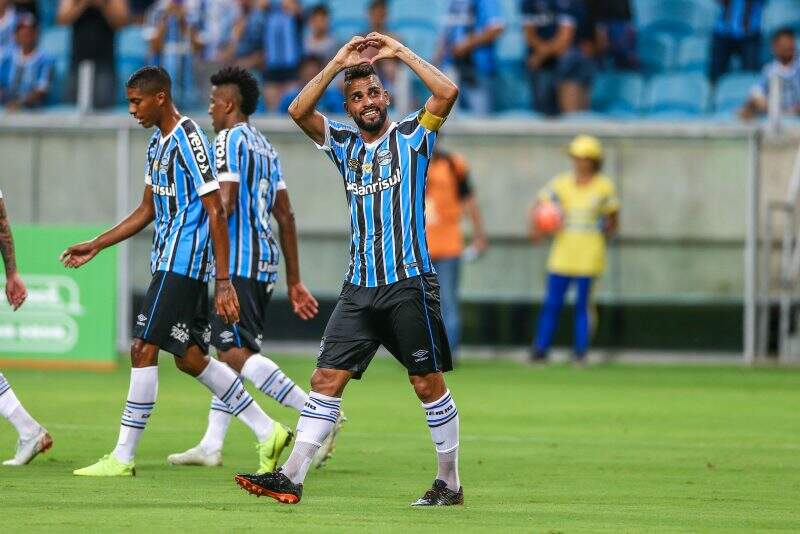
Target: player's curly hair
[
  {"x": 150, "y": 79},
  {"x": 363, "y": 70},
  {"x": 245, "y": 81}
]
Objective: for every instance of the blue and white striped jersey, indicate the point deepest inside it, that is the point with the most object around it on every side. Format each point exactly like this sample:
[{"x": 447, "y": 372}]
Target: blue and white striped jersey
[
  {"x": 179, "y": 170},
  {"x": 385, "y": 185},
  {"x": 242, "y": 154}
]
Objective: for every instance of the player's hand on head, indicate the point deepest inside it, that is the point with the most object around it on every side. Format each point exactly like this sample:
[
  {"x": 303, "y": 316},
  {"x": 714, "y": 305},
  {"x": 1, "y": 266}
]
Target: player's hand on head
[
  {"x": 16, "y": 293},
  {"x": 77, "y": 255},
  {"x": 226, "y": 303},
  {"x": 303, "y": 302}
]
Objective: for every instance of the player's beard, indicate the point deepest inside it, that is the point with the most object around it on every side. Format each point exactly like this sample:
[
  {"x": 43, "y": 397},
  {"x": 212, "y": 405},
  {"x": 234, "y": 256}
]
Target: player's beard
[{"x": 374, "y": 126}]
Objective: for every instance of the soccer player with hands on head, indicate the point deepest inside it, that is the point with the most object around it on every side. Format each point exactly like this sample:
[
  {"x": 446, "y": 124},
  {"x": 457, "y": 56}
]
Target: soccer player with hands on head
[
  {"x": 390, "y": 294},
  {"x": 181, "y": 195}
]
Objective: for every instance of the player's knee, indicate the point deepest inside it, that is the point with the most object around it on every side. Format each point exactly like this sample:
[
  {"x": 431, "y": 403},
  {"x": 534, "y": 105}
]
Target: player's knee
[
  {"x": 142, "y": 354},
  {"x": 428, "y": 387},
  {"x": 234, "y": 359},
  {"x": 191, "y": 365},
  {"x": 327, "y": 382}
]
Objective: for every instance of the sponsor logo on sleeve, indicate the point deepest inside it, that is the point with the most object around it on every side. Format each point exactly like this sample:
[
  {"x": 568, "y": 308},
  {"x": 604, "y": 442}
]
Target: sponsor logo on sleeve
[{"x": 199, "y": 151}]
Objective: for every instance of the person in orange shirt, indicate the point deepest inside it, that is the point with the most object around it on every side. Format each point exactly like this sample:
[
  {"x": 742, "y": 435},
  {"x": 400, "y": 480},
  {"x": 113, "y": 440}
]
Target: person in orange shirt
[{"x": 448, "y": 198}]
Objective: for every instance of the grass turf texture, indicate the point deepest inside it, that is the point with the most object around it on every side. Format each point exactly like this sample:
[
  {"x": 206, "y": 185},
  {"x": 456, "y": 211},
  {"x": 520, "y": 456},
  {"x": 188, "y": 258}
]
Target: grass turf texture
[{"x": 611, "y": 448}]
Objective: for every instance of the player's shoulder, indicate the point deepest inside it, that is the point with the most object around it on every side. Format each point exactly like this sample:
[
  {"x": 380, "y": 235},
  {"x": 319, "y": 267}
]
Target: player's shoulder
[
  {"x": 228, "y": 136},
  {"x": 562, "y": 180},
  {"x": 337, "y": 126}
]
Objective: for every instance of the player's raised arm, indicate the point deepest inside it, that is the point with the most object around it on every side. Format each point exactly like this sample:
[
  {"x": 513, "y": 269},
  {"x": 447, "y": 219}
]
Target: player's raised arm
[
  {"x": 77, "y": 255},
  {"x": 303, "y": 109},
  {"x": 443, "y": 91}
]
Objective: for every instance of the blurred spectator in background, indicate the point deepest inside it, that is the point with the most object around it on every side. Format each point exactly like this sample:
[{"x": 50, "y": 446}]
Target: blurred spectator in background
[
  {"x": 245, "y": 45},
  {"x": 448, "y": 197},
  {"x": 94, "y": 23},
  {"x": 282, "y": 48},
  {"x": 560, "y": 70},
  {"x": 139, "y": 9},
  {"x": 590, "y": 212},
  {"x": 8, "y": 21},
  {"x": 615, "y": 34},
  {"x": 737, "y": 32},
  {"x": 319, "y": 42},
  {"x": 377, "y": 19},
  {"x": 212, "y": 23},
  {"x": 25, "y": 72},
  {"x": 471, "y": 29},
  {"x": 332, "y": 100},
  {"x": 170, "y": 35},
  {"x": 27, "y": 6},
  {"x": 786, "y": 67}
]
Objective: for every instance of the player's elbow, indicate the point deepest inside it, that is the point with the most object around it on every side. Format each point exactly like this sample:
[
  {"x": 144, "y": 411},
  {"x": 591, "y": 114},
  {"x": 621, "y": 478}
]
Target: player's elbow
[
  {"x": 450, "y": 93},
  {"x": 296, "y": 113}
]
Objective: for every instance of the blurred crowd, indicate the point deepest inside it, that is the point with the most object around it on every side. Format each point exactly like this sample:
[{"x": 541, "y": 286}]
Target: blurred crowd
[{"x": 569, "y": 50}]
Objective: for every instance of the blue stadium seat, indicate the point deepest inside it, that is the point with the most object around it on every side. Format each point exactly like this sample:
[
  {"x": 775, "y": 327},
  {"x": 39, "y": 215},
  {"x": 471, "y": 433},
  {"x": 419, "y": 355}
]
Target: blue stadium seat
[
  {"x": 431, "y": 11},
  {"x": 677, "y": 94},
  {"x": 617, "y": 93},
  {"x": 56, "y": 42},
  {"x": 780, "y": 14},
  {"x": 131, "y": 43},
  {"x": 345, "y": 28},
  {"x": 656, "y": 52},
  {"x": 679, "y": 18},
  {"x": 510, "y": 11},
  {"x": 419, "y": 35},
  {"x": 511, "y": 45},
  {"x": 694, "y": 54},
  {"x": 732, "y": 91},
  {"x": 346, "y": 9},
  {"x": 512, "y": 90}
]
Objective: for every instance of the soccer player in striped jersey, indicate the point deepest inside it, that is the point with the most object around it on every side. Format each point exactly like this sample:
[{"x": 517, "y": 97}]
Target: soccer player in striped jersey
[
  {"x": 390, "y": 294},
  {"x": 33, "y": 438},
  {"x": 252, "y": 187},
  {"x": 181, "y": 194}
]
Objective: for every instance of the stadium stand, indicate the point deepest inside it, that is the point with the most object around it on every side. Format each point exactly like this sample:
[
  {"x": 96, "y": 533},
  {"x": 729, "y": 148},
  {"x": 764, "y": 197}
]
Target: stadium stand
[
  {"x": 618, "y": 94},
  {"x": 731, "y": 91},
  {"x": 677, "y": 95}
]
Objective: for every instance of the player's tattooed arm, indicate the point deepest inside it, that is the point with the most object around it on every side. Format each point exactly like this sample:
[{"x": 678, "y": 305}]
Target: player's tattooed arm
[
  {"x": 303, "y": 109},
  {"x": 7, "y": 241},
  {"x": 135, "y": 222},
  {"x": 16, "y": 293},
  {"x": 443, "y": 91}
]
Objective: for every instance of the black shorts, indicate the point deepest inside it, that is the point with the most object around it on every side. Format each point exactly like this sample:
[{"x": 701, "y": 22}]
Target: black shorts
[
  {"x": 280, "y": 74},
  {"x": 253, "y": 298},
  {"x": 174, "y": 315},
  {"x": 405, "y": 317}
]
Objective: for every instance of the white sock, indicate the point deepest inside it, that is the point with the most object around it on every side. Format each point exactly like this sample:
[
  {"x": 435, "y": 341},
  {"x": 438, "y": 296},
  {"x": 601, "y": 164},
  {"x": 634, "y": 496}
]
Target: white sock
[
  {"x": 268, "y": 377},
  {"x": 442, "y": 417},
  {"x": 140, "y": 402},
  {"x": 17, "y": 415},
  {"x": 228, "y": 388},
  {"x": 219, "y": 417},
  {"x": 316, "y": 421}
]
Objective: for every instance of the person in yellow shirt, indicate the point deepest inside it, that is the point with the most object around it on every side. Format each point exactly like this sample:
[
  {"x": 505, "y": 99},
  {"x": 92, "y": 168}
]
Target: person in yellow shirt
[{"x": 590, "y": 212}]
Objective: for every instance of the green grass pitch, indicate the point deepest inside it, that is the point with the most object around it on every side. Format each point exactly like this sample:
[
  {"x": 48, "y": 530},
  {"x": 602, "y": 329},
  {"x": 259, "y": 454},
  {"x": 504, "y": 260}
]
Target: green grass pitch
[{"x": 606, "y": 449}]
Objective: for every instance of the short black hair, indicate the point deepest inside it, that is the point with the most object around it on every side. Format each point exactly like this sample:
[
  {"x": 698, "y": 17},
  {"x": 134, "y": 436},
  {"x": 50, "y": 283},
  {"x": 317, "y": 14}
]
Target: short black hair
[
  {"x": 378, "y": 3},
  {"x": 364, "y": 70},
  {"x": 245, "y": 81},
  {"x": 783, "y": 32},
  {"x": 150, "y": 79},
  {"x": 319, "y": 9}
]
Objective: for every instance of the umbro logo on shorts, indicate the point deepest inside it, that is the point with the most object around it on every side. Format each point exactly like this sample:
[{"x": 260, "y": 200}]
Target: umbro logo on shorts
[
  {"x": 420, "y": 356},
  {"x": 226, "y": 336},
  {"x": 141, "y": 319}
]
